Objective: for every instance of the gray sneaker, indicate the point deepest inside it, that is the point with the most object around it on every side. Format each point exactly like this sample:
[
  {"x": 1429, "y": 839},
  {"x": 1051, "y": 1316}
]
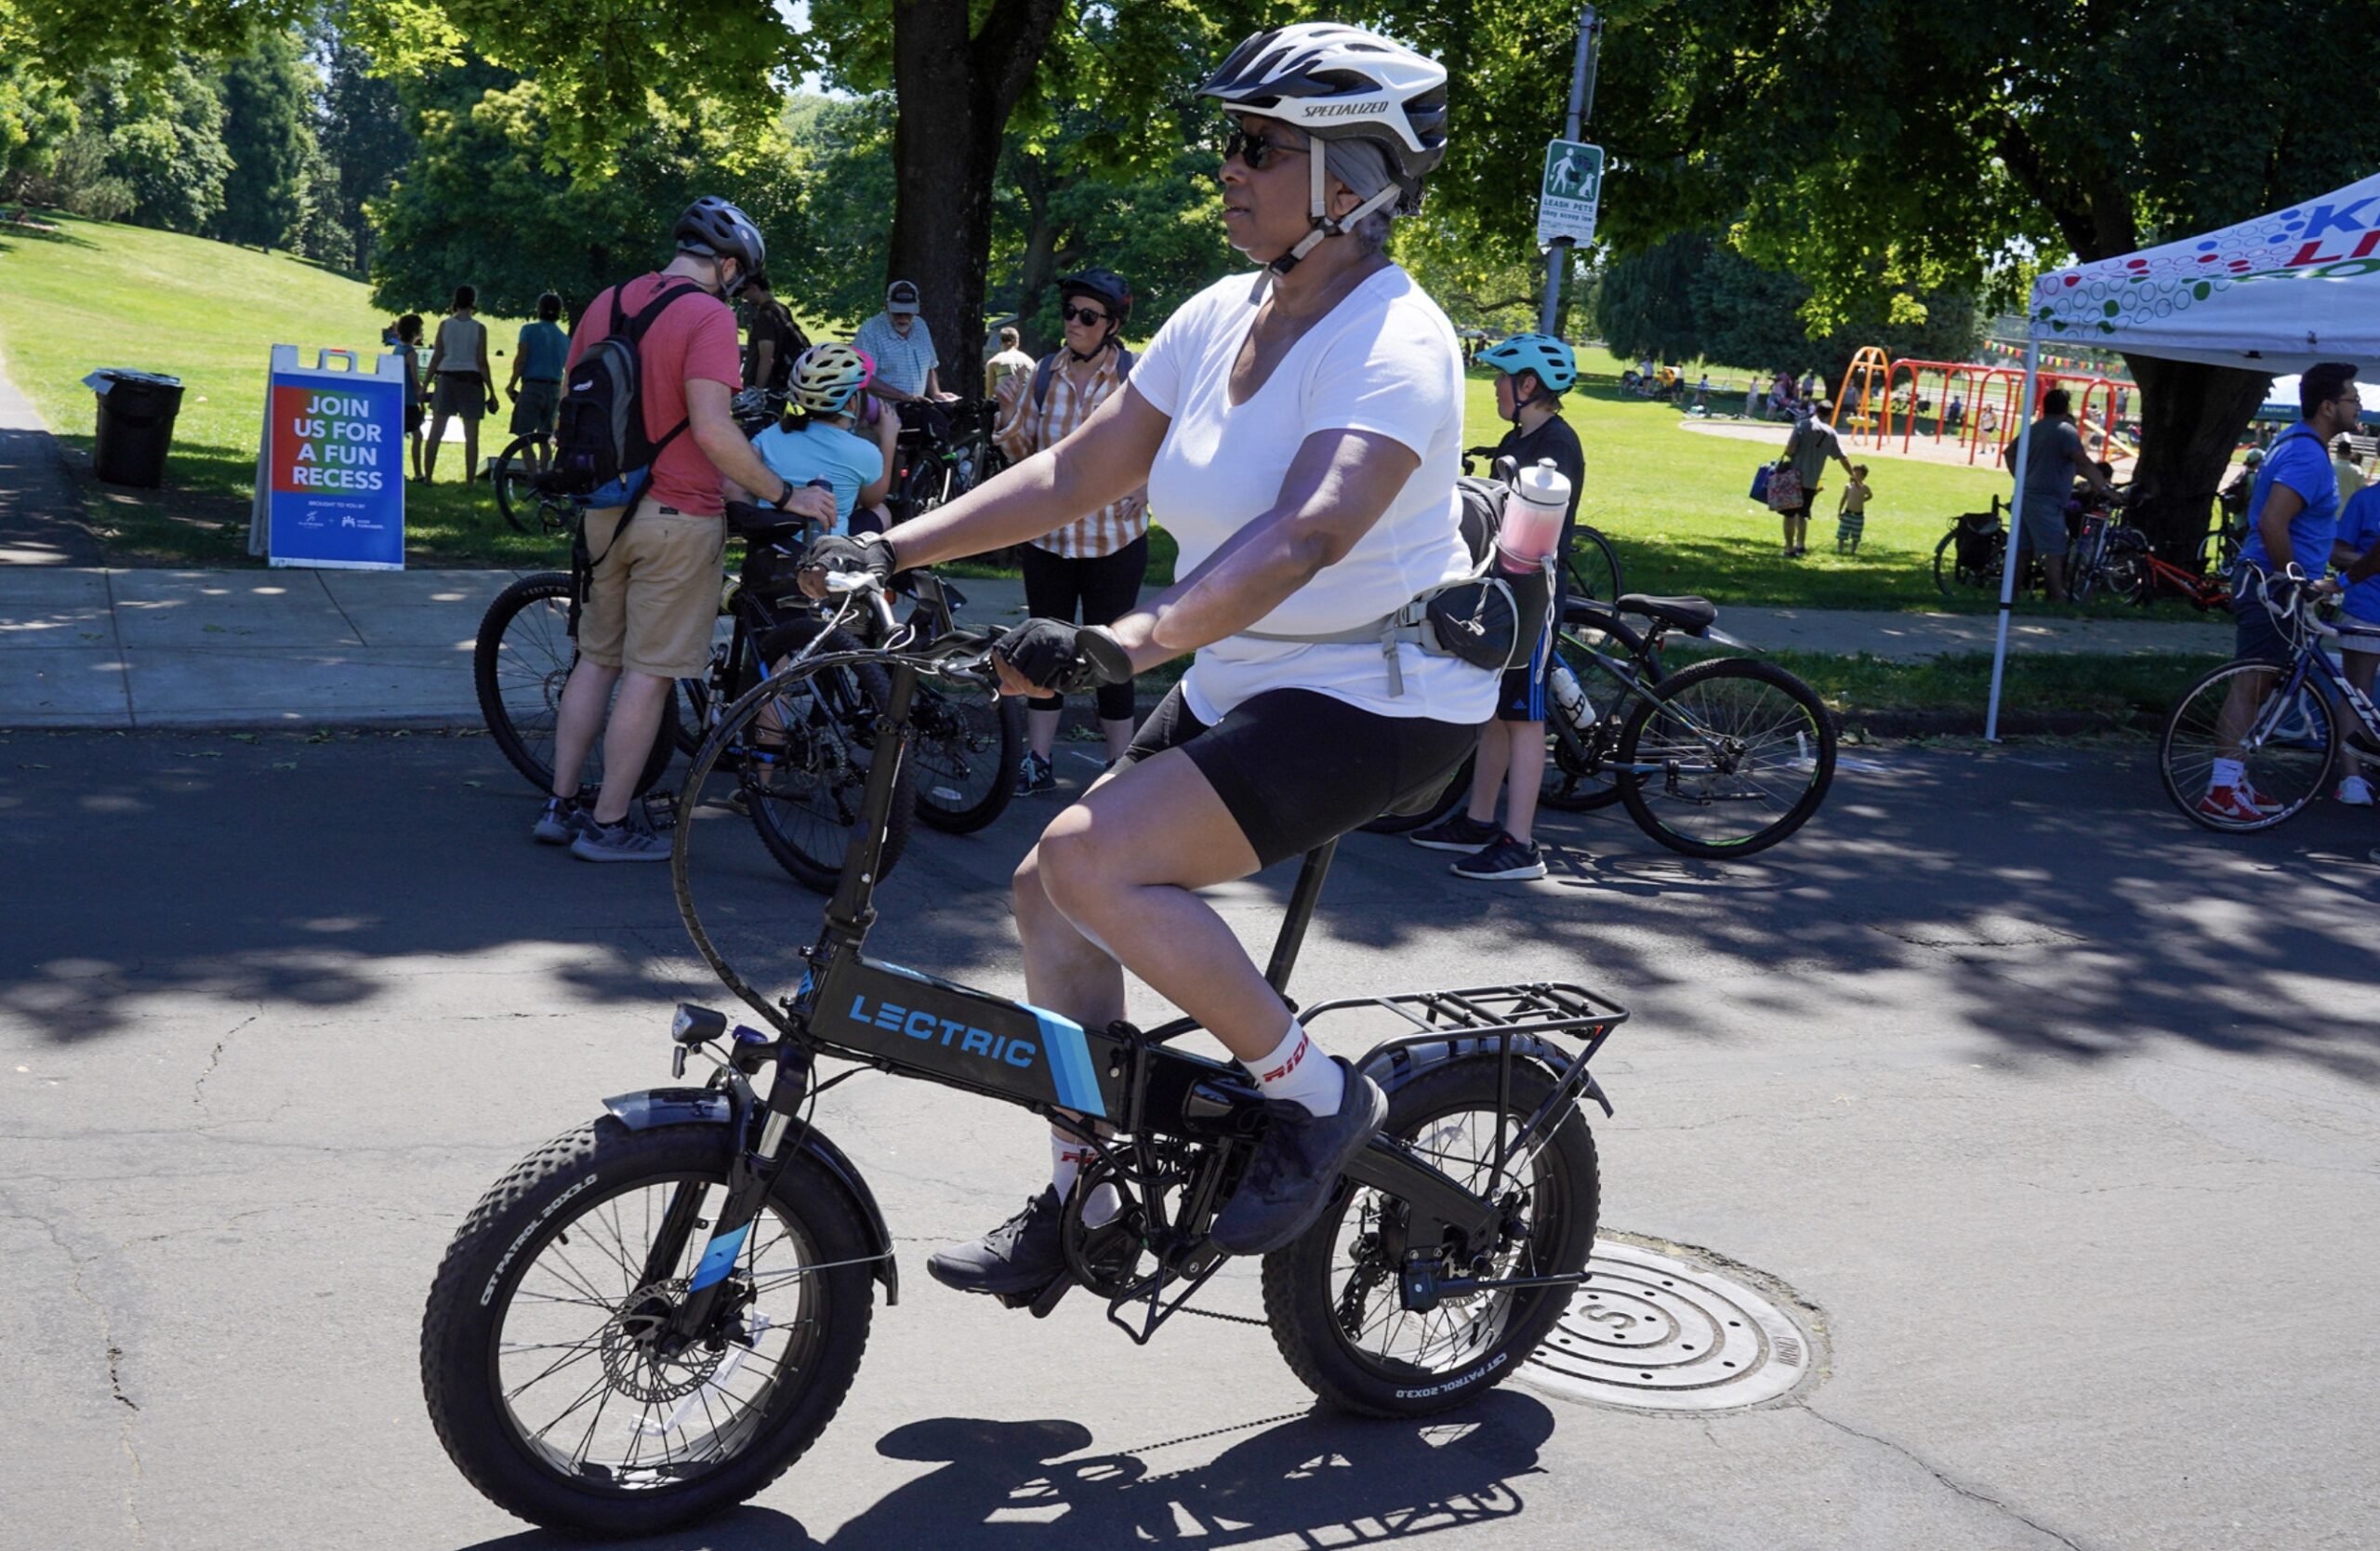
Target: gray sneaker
[
  {"x": 564, "y": 820},
  {"x": 631, "y": 840},
  {"x": 1297, "y": 1163}
]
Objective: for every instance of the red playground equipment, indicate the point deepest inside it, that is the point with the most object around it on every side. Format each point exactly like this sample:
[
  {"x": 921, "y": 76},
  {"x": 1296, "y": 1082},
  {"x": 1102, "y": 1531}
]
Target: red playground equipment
[{"x": 1973, "y": 404}]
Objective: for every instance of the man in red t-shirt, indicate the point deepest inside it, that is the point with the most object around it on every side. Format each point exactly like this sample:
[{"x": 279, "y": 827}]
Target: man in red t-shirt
[{"x": 653, "y": 592}]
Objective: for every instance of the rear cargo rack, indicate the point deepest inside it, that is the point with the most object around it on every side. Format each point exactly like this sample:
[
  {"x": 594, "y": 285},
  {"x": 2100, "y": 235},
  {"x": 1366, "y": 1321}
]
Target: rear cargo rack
[{"x": 1538, "y": 1007}]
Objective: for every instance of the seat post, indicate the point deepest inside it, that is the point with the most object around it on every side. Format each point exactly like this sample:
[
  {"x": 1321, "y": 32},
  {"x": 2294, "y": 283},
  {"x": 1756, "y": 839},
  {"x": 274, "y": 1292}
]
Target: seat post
[{"x": 1293, "y": 923}]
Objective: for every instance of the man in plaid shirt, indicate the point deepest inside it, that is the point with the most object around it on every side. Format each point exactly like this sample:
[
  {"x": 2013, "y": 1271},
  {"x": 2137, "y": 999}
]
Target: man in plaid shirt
[{"x": 1094, "y": 563}]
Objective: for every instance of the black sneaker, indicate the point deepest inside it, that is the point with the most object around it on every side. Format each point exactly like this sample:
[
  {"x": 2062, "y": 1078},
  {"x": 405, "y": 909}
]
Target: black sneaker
[
  {"x": 1034, "y": 775},
  {"x": 1502, "y": 858},
  {"x": 1290, "y": 1180},
  {"x": 1460, "y": 832},
  {"x": 563, "y": 819},
  {"x": 1022, "y": 1255}
]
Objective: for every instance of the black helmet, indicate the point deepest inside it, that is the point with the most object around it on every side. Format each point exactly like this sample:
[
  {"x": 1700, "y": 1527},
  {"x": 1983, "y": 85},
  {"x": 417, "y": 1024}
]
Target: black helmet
[
  {"x": 1105, "y": 286},
  {"x": 714, "y": 228}
]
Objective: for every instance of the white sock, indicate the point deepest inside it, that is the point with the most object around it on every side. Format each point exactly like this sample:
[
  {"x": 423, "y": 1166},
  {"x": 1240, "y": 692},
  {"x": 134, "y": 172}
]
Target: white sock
[
  {"x": 1298, "y": 1070},
  {"x": 1067, "y": 1157},
  {"x": 2228, "y": 773}
]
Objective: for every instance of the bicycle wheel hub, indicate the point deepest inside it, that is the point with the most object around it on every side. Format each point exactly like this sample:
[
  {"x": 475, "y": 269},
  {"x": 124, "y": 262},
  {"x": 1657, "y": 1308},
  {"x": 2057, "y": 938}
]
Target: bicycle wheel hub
[{"x": 633, "y": 1359}]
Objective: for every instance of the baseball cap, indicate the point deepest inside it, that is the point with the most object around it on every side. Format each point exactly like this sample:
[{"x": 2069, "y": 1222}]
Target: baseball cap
[{"x": 899, "y": 296}]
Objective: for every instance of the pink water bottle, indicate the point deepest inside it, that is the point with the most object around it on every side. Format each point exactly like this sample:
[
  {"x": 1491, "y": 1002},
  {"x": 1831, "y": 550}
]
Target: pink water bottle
[{"x": 1532, "y": 523}]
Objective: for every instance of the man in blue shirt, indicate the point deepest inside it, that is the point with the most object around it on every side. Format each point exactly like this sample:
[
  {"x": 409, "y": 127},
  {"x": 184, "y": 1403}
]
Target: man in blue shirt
[
  {"x": 897, "y": 341},
  {"x": 2359, "y": 622},
  {"x": 2293, "y": 519},
  {"x": 537, "y": 360}
]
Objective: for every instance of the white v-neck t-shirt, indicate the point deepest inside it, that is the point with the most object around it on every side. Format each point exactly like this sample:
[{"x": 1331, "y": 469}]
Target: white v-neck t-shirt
[{"x": 1382, "y": 361}]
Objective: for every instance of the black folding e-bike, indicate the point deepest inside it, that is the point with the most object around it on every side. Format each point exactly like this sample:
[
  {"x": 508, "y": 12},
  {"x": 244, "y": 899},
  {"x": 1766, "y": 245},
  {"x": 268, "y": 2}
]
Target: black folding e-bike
[{"x": 650, "y": 1318}]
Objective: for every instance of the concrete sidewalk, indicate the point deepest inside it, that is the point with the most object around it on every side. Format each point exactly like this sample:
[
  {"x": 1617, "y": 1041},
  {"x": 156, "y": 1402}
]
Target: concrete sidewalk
[
  {"x": 85, "y": 647},
  {"x": 41, "y": 513}
]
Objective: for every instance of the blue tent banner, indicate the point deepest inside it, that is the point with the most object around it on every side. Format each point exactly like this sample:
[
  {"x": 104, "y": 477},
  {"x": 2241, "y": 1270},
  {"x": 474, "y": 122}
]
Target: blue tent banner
[{"x": 331, "y": 464}]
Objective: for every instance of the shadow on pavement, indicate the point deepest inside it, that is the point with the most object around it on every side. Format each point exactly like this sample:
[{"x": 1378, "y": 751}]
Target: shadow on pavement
[
  {"x": 1323, "y": 1478},
  {"x": 2045, "y": 899}
]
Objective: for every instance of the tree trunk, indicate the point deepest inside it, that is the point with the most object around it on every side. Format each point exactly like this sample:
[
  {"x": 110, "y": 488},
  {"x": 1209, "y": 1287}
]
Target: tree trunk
[
  {"x": 1039, "y": 271},
  {"x": 2190, "y": 420},
  {"x": 955, "y": 91}
]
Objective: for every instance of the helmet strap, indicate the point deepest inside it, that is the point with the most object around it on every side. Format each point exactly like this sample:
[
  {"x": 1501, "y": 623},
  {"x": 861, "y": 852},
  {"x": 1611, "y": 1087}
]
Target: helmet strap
[{"x": 1323, "y": 226}]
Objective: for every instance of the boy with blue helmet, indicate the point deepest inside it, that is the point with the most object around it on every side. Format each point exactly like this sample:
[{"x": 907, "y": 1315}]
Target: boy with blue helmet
[{"x": 1532, "y": 373}]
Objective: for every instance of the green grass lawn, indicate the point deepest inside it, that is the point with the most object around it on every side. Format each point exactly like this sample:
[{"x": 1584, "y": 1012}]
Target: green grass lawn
[{"x": 99, "y": 294}]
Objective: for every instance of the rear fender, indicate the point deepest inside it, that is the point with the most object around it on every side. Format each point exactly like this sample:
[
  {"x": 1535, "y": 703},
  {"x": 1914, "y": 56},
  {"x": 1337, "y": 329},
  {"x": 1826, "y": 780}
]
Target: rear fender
[
  {"x": 655, "y": 1108},
  {"x": 1396, "y": 1062}
]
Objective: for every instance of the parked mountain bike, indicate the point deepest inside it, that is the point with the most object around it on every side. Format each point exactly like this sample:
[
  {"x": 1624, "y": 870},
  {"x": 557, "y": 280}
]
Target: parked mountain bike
[
  {"x": 933, "y": 470},
  {"x": 798, "y": 777},
  {"x": 1591, "y": 562},
  {"x": 1723, "y": 759},
  {"x": 2285, "y": 728},
  {"x": 968, "y": 742},
  {"x": 524, "y": 504},
  {"x": 1970, "y": 556},
  {"x": 649, "y": 1319}
]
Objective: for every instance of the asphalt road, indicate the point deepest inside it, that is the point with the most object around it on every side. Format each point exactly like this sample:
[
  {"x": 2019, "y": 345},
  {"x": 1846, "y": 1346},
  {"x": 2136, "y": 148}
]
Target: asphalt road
[{"x": 2059, "y": 1114}]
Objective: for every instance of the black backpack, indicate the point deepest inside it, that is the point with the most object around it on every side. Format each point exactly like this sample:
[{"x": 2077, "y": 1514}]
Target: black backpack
[{"x": 599, "y": 432}]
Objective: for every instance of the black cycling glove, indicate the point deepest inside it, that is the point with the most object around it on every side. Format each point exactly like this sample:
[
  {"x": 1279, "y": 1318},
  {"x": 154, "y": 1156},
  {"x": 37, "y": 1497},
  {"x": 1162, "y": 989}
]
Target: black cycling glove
[
  {"x": 1051, "y": 655},
  {"x": 869, "y": 553}
]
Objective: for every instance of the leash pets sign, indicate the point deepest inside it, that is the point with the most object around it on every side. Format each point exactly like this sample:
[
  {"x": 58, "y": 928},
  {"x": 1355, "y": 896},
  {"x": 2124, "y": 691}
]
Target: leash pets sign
[{"x": 330, "y": 474}]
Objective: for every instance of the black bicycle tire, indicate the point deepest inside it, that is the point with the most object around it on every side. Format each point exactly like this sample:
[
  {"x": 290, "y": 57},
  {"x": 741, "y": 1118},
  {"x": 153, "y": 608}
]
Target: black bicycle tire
[
  {"x": 494, "y": 1249},
  {"x": 1299, "y": 1304},
  {"x": 2189, "y": 804},
  {"x": 1584, "y": 539},
  {"x": 1563, "y": 749},
  {"x": 968, "y": 819},
  {"x": 1945, "y": 578},
  {"x": 816, "y": 873},
  {"x": 503, "y": 481},
  {"x": 1632, "y": 788},
  {"x": 542, "y": 588}
]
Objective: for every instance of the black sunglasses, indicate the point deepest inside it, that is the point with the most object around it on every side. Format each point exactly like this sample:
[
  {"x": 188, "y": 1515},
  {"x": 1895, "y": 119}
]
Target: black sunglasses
[
  {"x": 1256, "y": 151},
  {"x": 1081, "y": 315}
]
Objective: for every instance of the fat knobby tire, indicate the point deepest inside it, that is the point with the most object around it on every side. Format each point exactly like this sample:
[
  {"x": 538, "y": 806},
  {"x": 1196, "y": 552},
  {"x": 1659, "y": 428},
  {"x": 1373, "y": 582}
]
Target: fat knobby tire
[
  {"x": 1300, "y": 1299},
  {"x": 503, "y": 1236}
]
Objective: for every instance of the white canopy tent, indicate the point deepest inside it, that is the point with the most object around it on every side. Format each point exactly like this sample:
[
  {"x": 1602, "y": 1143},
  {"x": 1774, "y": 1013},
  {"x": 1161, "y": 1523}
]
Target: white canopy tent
[{"x": 2275, "y": 294}]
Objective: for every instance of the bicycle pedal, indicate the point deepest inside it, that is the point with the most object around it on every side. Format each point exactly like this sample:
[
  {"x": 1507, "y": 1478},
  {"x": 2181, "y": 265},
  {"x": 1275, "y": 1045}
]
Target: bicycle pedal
[{"x": 1041, "y": 1301}]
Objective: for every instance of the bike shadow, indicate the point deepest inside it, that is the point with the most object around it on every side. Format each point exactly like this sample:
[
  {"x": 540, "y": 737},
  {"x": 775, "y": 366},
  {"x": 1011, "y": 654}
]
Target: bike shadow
[{"x": 1322, "y": 1478}]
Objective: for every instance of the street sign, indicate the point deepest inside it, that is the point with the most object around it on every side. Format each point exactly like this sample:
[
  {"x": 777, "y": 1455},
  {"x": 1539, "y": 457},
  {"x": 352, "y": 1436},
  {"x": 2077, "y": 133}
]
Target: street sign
[
  {"x": 331, "y": 463},
  {"x": 1571, "y": 190}
]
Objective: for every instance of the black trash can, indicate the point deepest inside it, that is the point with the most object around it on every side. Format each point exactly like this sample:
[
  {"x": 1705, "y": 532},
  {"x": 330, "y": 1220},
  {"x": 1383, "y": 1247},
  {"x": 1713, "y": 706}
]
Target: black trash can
[{"x": 137, "y": 412}]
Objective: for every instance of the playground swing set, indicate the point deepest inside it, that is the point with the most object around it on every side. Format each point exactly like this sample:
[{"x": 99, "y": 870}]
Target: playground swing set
[{"x": 1876, "y": 402}]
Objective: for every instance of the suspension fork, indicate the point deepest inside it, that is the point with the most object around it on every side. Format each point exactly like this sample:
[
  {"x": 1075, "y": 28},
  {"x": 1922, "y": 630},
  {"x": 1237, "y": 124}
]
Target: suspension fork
[{"x": 751, "y": 1173}]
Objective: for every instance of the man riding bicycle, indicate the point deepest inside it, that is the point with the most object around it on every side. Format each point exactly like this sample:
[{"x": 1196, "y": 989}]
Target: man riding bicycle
[{"x": 1300, "y": 428}]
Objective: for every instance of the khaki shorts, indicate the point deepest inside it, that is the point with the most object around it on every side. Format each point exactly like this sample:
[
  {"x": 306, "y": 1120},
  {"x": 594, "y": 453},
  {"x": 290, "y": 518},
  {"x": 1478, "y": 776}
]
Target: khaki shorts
[{"x": 654, "y": 596}]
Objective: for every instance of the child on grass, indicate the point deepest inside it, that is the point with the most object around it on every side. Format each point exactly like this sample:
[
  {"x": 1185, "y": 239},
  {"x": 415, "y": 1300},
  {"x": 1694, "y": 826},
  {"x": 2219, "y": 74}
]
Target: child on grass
[{"x": 1851, "y": 513}]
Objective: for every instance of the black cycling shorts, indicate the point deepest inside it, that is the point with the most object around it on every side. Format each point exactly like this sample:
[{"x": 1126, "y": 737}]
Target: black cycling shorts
[{"x": 1297, "y": 768}]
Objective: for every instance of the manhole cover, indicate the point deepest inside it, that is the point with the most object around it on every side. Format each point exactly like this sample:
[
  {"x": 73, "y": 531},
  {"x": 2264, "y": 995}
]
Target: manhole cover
[{"x": 1655, "y": 1333}]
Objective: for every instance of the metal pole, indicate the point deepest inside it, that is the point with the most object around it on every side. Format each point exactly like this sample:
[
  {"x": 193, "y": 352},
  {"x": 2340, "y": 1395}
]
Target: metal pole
[
  {"x": 2010, "y": 559},
  {"x": 1582, "y": 97}
]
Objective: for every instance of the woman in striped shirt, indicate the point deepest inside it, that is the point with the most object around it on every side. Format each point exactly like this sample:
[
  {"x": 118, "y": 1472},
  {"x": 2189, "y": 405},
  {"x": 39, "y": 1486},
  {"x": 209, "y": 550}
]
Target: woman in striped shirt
[{"x": 1090, "y": 569}]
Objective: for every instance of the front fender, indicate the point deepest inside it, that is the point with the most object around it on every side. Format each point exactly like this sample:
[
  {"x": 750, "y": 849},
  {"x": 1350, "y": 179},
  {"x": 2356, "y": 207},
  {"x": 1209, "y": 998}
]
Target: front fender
[
  {"x": 654, "y": 1107},
  {"x": 1394, "y": 1062}
]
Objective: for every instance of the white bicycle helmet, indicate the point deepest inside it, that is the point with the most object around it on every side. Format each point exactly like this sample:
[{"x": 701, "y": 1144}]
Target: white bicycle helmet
[
  {"x": 826, "y": 376},
  {"x": 1337, "y": 82}
]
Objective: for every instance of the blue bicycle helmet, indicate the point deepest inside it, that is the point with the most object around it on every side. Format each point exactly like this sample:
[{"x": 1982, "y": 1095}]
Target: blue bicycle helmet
[{"x": 1541, "y": 354}]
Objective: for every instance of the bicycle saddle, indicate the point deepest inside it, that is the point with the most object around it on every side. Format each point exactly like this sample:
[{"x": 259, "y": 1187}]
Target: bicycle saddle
[
  {"x": 762, "y": 526},
  {"x": 1693, "y": 616}
]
